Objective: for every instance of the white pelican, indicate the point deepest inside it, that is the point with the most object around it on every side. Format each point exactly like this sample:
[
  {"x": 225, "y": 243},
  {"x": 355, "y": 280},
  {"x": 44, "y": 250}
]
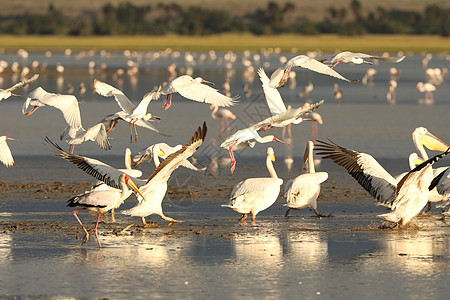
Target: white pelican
[
  {"x": 280, "y": 76},
  {"x": 412, "y": 192},
  {"x": 154, "y": 189},
  {"x": 6, "y": 93},
  {"x": 5, "y": 154},
  {"x": 130, "y": 113},
  {"x": 256, "y": 194},
  {"x": 77, "y": 135},
  {"x": 101, "y": 186},
  {"x": 242, "y": 139},
  {"x": 359, "y": 58},
  {"x": 223, "y": 114},
  {"x": 302, "y": 191},
  {"x": 161, "y": 150},
  {"x": 102, "y": 201},
  {"x": 193, "y": 89},
  {"x": 406, "y": 195}
]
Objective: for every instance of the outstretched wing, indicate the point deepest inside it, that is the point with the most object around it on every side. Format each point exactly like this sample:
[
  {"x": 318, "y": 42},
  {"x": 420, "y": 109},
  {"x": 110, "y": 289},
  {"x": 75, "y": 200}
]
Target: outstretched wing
[
  {"x": 196, "y": 91},
  {"x": 23, "y": 83},
  {"x": 93, "y": 167},
  {"x": 174, "y": 160},
  {"x": 272, "y": 95},
  {"x": 363, "y": 168},
  {"x": 67, "y": 104},
  {"x": 107, "y": 90},
  {"x": 5, "y": 154}
]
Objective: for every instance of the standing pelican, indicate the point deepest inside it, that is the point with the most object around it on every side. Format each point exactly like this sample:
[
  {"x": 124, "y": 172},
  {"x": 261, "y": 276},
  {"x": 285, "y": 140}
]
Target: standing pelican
[
  {"x": 256, "y": 194},
  {"x": 153, "y": 189},
  {"x": 193, "y": 89},
  {"x": 360, "y": 58},
  {"x": 6, "y": 93},
  {"x": 280, "y": 75},
  {"x": 5, "y": 154},
  {"x": 223, "y": 114},
  {"x": 161, "y": 150},
  {"x": 302, "y": 191},
  {"x": 102, "y": 201},
  {"x": 130, "y": 113}
]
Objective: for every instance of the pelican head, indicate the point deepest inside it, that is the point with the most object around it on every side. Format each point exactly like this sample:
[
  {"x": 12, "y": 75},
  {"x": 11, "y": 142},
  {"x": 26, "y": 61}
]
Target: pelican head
[
  {"x": 422, "y": 137},
  {"x": 271, "y": 153},
  {"x": 133, "y": 186}
]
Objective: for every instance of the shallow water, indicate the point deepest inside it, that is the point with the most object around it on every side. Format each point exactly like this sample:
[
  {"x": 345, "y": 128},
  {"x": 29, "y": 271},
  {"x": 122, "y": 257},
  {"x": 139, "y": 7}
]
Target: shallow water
[{"x": 211, "y": 254}]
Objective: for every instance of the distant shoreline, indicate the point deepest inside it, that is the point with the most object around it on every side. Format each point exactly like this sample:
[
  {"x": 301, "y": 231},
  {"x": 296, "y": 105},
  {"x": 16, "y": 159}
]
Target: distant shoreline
[{"x": 234, "y": 42}]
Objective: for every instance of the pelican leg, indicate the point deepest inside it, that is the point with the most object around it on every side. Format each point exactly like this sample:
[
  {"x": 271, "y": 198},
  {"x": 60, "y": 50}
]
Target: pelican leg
[
  {"x": 143, "y": 221},
  {"x": 86, "y": 236},
  {"x": 253, "y": 217},
  {"x": 71, "y": 147},
  {"x": 113, "y": 213},
  {"x": 95, "y": 229},
  {"x": 287, "y": 212},
  {"x": 171, "y": 220},
  {"x": 243, "y": 217},
  {"x": 318, "y": 215}
]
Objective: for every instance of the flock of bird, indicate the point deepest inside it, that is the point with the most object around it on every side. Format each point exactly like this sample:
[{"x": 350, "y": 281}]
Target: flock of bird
[{"x": 405, "y": 196}]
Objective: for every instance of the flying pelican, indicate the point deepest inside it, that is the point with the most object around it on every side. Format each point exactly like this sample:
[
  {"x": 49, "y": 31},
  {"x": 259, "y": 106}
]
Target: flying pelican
[
  {"x": 280, "y": 76},
  {"x": 359, "y": 58},
  {"x": 242, "y": 139},
  {"x": 256, "y": 194},
  {"x": 223, "y": 114},
  {"x": 193, "y": 89},
  {"x": 6, "y": 93},
  {"x": 400, "y": 197},
  {"x": 161, "y": 150},
  {"x": 130, "y": 113},
  {"x": 77, "y": 135},
  {"x": 153, "y": 189},
  {"x": 102, "y": 201},
  {"x": 412, "y": 192},
  {"x": 5, "y": 154},
  {"x": 302, "y": 191}
]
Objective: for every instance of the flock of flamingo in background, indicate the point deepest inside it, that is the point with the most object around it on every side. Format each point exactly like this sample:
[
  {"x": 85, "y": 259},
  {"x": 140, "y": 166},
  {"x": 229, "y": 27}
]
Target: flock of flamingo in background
[{"x": 406, "y": 196}]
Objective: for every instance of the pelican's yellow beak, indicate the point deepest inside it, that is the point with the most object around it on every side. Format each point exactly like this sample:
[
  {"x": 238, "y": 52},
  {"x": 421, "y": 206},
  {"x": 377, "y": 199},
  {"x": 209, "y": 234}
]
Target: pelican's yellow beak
[
  {"x": 306, "y": 155},
  {"x": 272, "y": 157},
  {"x": 161, "y": 153},
  {"x": 433, "y": 143},
  {"x": 418, "y": 161},
  {"x": 134, "y": 187}
]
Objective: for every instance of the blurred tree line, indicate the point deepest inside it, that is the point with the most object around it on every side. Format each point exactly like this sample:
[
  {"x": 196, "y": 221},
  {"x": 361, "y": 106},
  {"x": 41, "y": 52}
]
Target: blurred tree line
[{"x": 126, "y": 18}]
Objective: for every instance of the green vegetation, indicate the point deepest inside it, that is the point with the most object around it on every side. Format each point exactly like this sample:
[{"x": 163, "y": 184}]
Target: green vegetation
[
  {"x": 234, "y": 42},
  {"x": 126, "y": 18}
]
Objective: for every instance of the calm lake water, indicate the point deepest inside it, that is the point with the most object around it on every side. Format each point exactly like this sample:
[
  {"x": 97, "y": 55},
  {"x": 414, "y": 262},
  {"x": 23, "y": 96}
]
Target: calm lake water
[{"x": 211, "y": 255}]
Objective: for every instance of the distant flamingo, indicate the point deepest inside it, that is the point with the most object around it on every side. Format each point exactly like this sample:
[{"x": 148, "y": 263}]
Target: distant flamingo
[
  {"x": 428, "y": 89},
  {"x": 223, "y": 114}
]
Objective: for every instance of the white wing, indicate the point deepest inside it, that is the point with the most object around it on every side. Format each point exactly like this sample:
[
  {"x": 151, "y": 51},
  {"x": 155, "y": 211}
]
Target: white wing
[
  {"x": 107, "y": 90},
  {"x": 23, "y": 83},
  {"x": 5, "y": 154},
  {"x": 142, "y": 106},
  {"x": 194, "y": 90},
  {"x": 347, "y": 55},
  {"x": 286, "y": 117},
  {"x": 93, "y": 167},
  {"x": 364, "y": 169},
  {"x": 273, "y": 97},
  {"x": 174, "y": 160},
  {"x": 67, "y": 104},
  {"x": 279, "y": 76}
]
